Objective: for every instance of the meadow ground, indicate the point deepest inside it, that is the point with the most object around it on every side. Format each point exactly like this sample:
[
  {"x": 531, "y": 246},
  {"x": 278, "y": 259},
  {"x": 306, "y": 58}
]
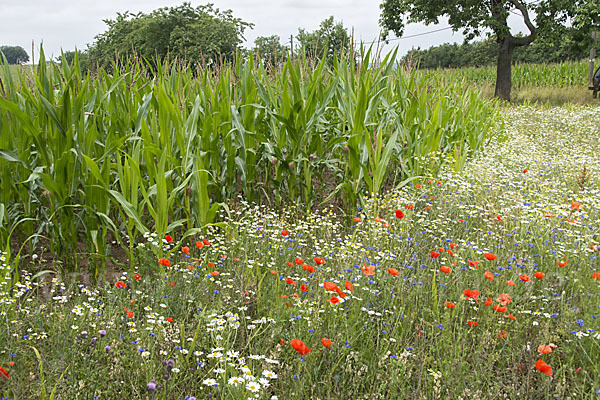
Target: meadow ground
[{"x": 482, "y": 284}]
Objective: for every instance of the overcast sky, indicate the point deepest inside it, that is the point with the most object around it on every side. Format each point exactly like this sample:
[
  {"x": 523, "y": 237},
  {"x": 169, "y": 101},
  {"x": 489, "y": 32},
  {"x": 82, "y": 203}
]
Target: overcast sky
[{"x": 68, "y": 24}]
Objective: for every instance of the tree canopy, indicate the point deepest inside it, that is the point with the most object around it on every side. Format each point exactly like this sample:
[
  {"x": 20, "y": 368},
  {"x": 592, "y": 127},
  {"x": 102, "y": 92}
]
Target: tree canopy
[
  {"x": 270, "y": 49},
  {"x": 203, "y": 33},
  {"x": 329, "y": 39},
  {"x": 14, "y": 54},
  {"x": 546, "y": 18}
]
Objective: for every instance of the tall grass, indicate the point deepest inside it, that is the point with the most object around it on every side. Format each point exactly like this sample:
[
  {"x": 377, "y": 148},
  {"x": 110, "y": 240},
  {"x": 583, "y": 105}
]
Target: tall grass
[{"x": 89, "y": 160}]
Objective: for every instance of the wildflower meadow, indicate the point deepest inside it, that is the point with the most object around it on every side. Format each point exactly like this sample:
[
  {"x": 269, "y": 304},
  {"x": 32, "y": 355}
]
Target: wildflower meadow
[{"x": 476, "y": 279}]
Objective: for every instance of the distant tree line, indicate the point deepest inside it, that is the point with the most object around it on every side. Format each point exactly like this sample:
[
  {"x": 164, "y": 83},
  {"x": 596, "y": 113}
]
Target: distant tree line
[
  {"x": 14, "y": 54},
  {"x": 572, "y": 45}
]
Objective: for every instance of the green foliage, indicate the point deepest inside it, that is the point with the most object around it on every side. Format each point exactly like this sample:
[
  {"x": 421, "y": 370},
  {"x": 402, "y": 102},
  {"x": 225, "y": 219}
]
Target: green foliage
[
  {"x": 14, "y": 54},
  {"x": 331, "y": 39},
  {"x": 270, "y": 50},
  {"x": 574, "y": 45},
  {"x": 201, "y": 34}
]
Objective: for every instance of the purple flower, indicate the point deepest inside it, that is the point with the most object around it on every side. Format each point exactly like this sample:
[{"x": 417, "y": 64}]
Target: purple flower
[
  {"x": 102, "y": 333},
  {"x": 151, "y": 385}
]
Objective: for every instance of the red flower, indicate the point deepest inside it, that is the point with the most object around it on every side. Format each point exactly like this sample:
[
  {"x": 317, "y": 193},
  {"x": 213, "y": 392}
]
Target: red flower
[
  {"x": 285, "y": 232},
  {"x": 129, "y": 313},
  {"x": 524, "y": 278},
  {"x": 488, "y": 275},
  {"x": 490, "y": 256},
  {"x": 185, "y": 250},
  {"x": 356, "y": 219},
  {"x": 289, "y": 264},
  {"x": 171, "y": 284},
  {"x": 308, "y": 268},
  {"x": 399, "y": 214},
  {"x": 340, "y": 293},
  {"x": 525, "y": 171},
  {"x": 544, "y": 368},
  {"x": 392, "y": 271},
  {"x": 488, "y": 301},
  {"x": 199, "y": 244},
  {"x": 273, "y": 272},
  {"x": 215, "y": 273},
  {"x": 169, "y": 238},
  {"x": 498, "y": 217},
  {"x": 290, "y": 281},
  {"x": 349, "y": 286},
  {"x": 165, "y": 262},
  {"x": 299, "y": 346},
  {"x": 511, "y": 317},
  {"x": 539, "y": 275},
  {"x": 298, "y": 261},
  {"x": 596, "y": 276},
  {"x": 575, "y": 205},
  {"x": 120, "y": 285},
  {"x": 445, "y": 269},
  {"x": 434, "y": 254},
  {"x": 169, "y": 319},
  {"x": 319, "y": 261},
  {"x": 330, "y": 286},
  {"x": 4, "y": 373},
  {"x": 450, "y": 305},
  {"x": 418, "y": 186},
  {"x": 334, "y": 300},
  {"x": 206, "y": 242},
  {"x": 370, "y": 270},
  {"x": 562, "y": 263},
  {"x": 499, "y": 308},
  {"x": 510, "y": 283},
  {"x": 471, "y": 294},
  {"x": 474, "y": 263},
  {"x": 472, "y": 323},
  {"x": 326, "y": 342},
  {"x": 304, "y": 288},
  {"x": 453, "y": 245},
  {"x": 502, "y": 334}
]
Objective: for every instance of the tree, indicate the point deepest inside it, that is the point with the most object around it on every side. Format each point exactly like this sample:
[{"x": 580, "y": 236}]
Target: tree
[
  {"x": 270, "y": 49},
  {"x": 547, "y": 18},
  {"x": 330, "y": 39},
  {"x": 192, "y": 34},
  {"x": 14, "y": 54}
]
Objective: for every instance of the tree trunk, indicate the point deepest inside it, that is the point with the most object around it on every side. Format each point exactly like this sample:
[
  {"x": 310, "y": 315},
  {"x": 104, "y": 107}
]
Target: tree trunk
[{"x": 503, "y": 70}]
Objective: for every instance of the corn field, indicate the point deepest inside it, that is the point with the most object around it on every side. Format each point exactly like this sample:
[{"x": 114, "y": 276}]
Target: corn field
[
  {"x": 87, "y": 161},
  {"x": 565, "y": 74}
]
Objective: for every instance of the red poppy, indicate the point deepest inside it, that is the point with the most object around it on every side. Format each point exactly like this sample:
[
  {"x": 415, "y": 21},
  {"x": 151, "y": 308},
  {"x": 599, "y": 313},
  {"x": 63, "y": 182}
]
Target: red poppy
[
  {"x": 488, "y": 301},
  {"x": 199, "y": 244},
  {"x": 340, "y": 293},
  {"x": 290, "y": 281},
  {"x": 472, "y": 323},
  {"x": 4, "y": 373},
  {"x": 544, "y": 368},
  {"x": 450, "y": 253},
  {"x": 539, "y": 275},
  {"x": 334, "y": 300},
  {"x": 185, "y": 250},
  {"x": 299, "y": 346},
  {"x": 298, "y": 261},
  {"x": 282, "y": 342},
  {"x": 510, "y": 316},
  {"x": 498, "y": 217},
  {"x": 289, "y": 264},
  {"x": 471, "y": 294},
  {"x": 349, "y": 286},
  {"x": 596, "y": 276},
  {"x": 525, "y": 171},
  {"x": 511, "y": 283},
  {"x": 399, "y": 214},
  {"x": 304, "y": 288},
  {"x": 575, "y": 205},
  {"x": 370, "y": 270},
  {"x": 206, "y": 242},
  {"x": 392, "y": 271},
  {"x": 490, "y": 256},
  {"x": 211, "y": 264},
  {"x": 434, "y": 254},
  {"x": 499, "y": 308},
  {"x": 453, "y": 245},
  {"x": 308, "y": 268},
  {"x": 169, "y": 238},
  {"x": 445, "y": 269},
  {"x": 410, "y": 206},
  {"x": 215, "y": 273},
  {"x": 319, "y": 261},
  {"x": 418, "y": 186},
  {"x": 171, "y": 284},
  {"x": 285, "y": 232},
  {"x": 450, "y": 305},
  {"x": 502, "y": 334},
  {"x": 237, "y": 259},
  {"x": 129, "y": 313},
  {"x": 120, "y": 284},
  {"x": 169, "y": 319},
  {"x": 524, "y": 278},
  {"x": 330, "y": 286},
  {"x": 562, "y": 263},
  {"x": 137, "y": 277},
  {"x": 165, "y": 262},
  {"x": 326, "y": 342},
  {"x": 544, "y": 349},
  {"x": 504, "y": 299},
  {"x": 356, "y": 219},
  {"x": 488, "y": 275},
  {"x": 273, "y": 272},
  {"x": 474, "y": 263}
]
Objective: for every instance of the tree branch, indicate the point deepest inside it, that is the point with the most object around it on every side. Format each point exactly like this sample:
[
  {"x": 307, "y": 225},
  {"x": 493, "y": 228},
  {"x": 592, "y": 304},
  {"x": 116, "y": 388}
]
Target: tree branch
[{"x": 522, "y": 41}]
